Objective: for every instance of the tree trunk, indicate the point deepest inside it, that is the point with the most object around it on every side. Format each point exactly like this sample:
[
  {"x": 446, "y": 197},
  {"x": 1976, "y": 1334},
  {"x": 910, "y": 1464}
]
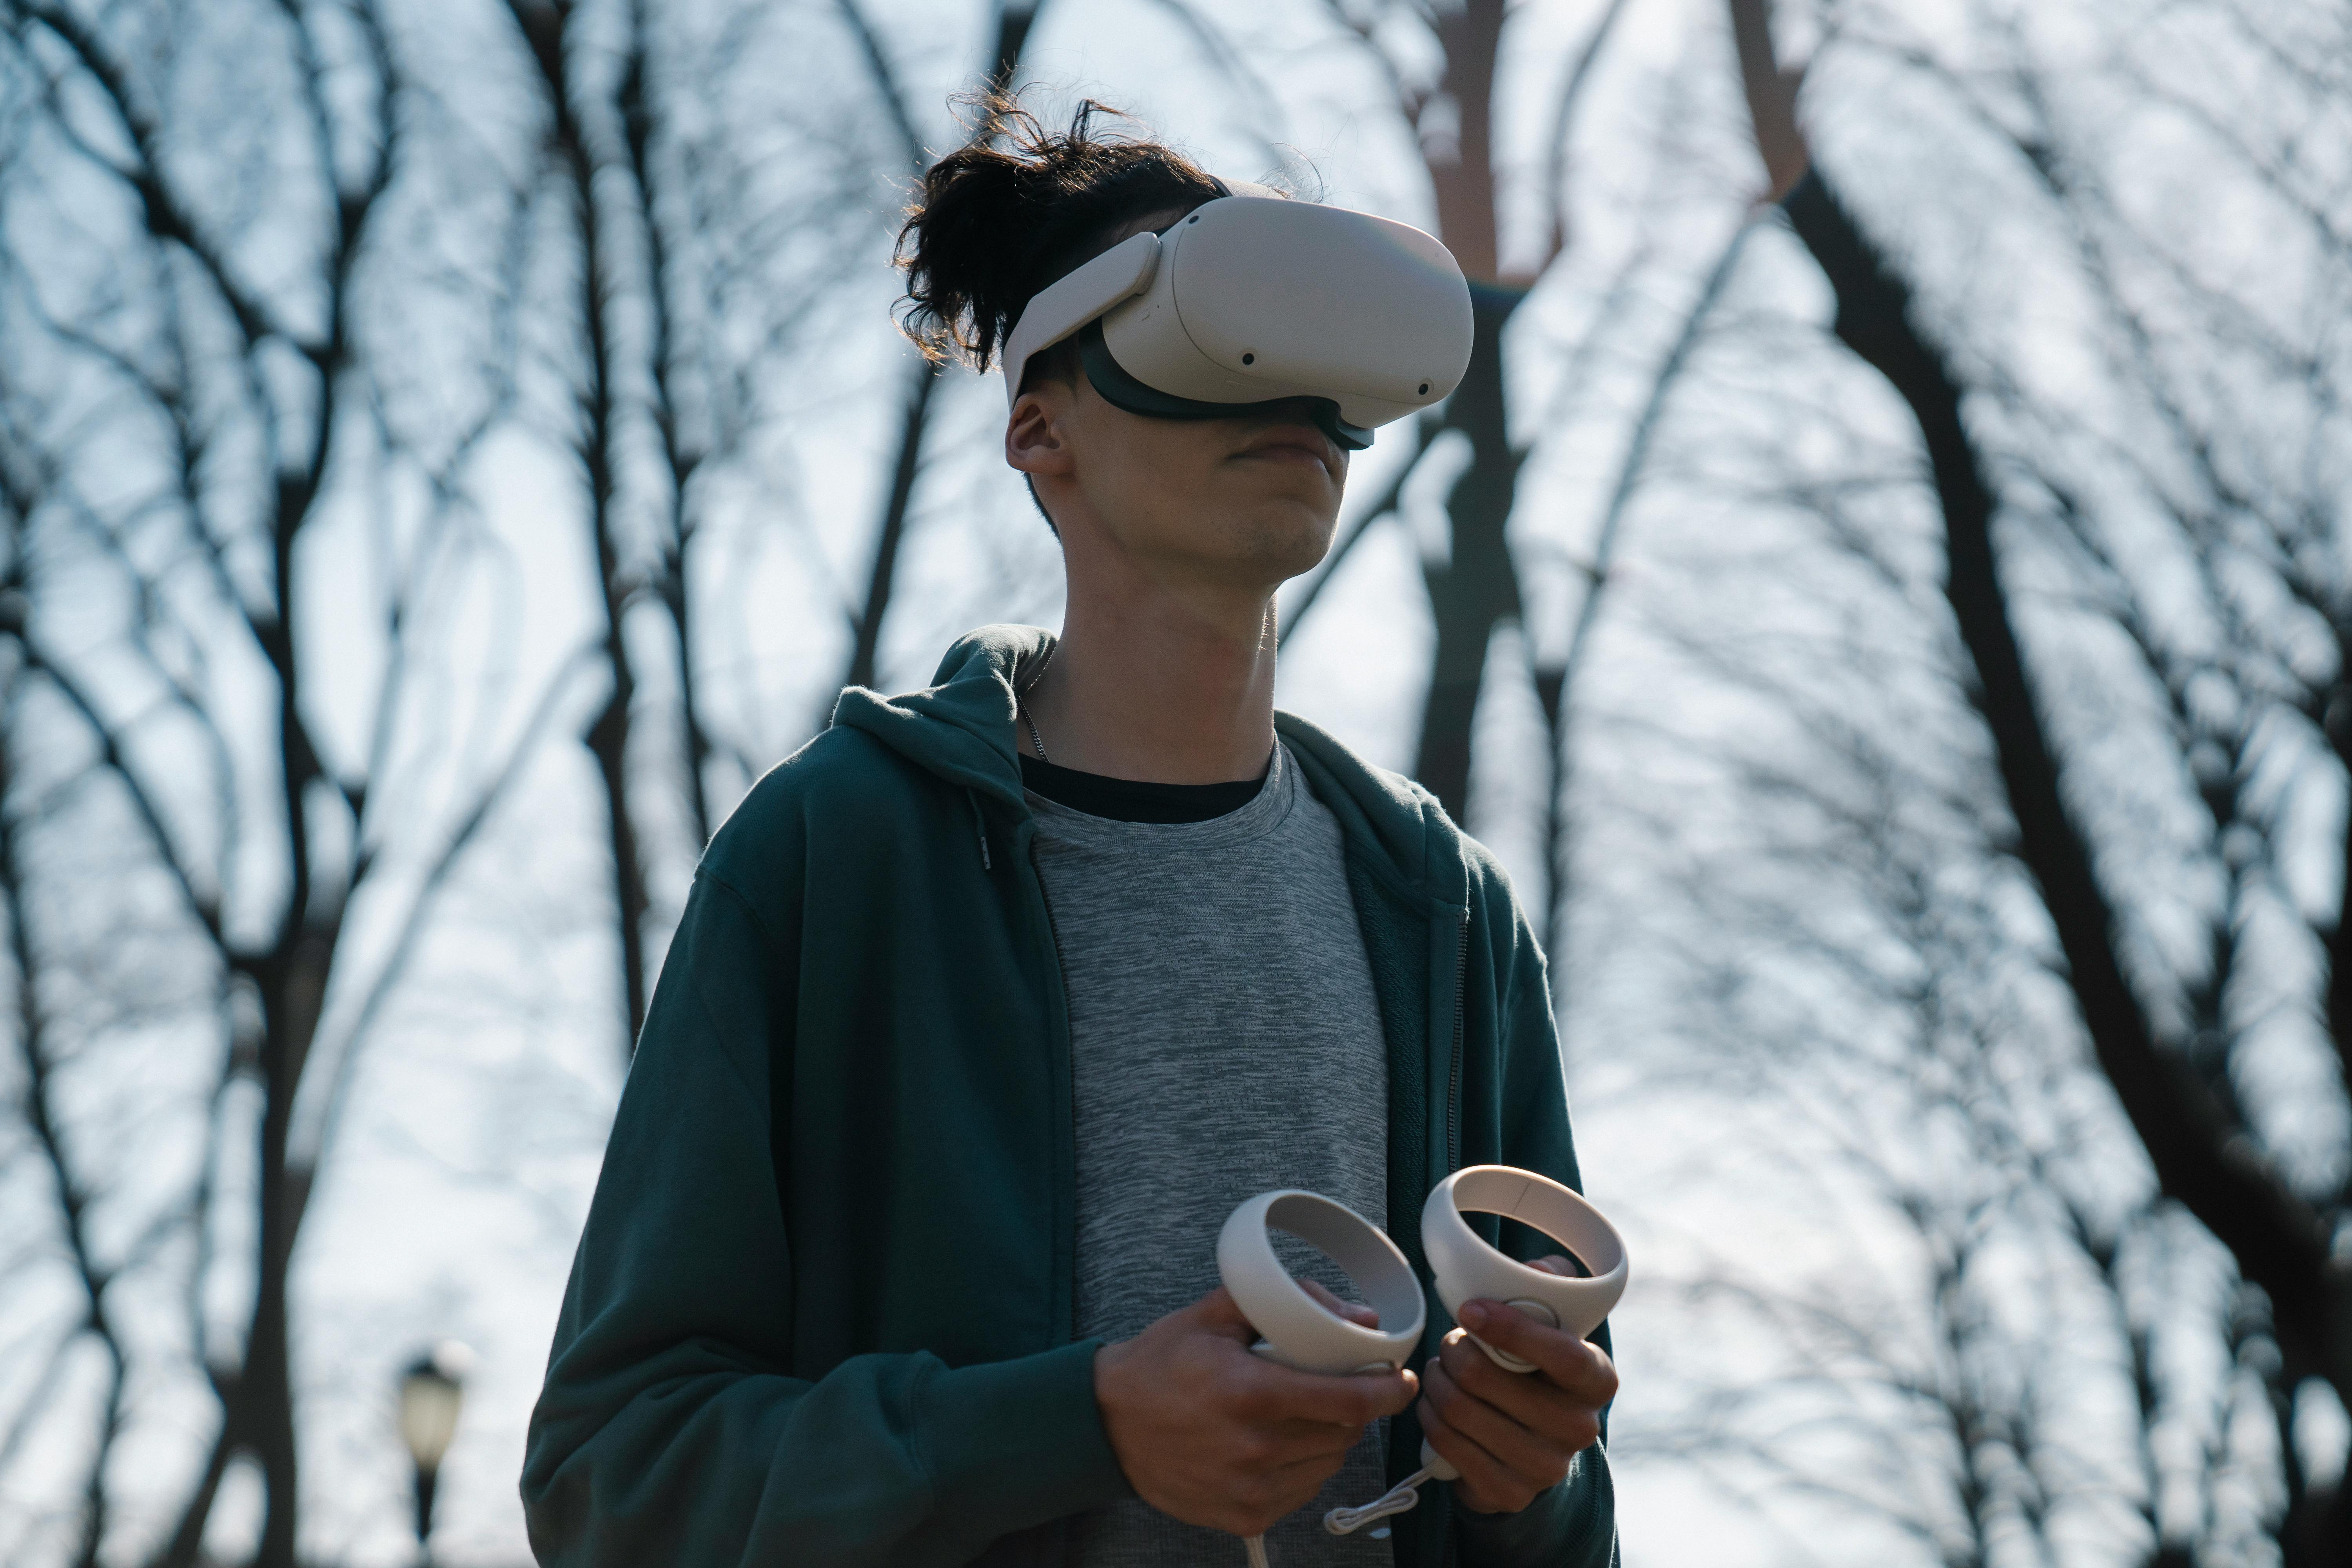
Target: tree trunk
[
  {"x": 914, "y": 423},
  {"x": 2201, "y": 1157},
  {"x": 1477, "y": 586},
  {"x": 641, "y": 121},
  {"x": 546, "y": 30}
]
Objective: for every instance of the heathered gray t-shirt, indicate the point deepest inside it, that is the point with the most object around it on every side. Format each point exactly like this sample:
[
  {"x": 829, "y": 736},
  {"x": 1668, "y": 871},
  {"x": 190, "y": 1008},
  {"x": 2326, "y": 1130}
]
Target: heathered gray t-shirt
[{"x": 1227, "y": 1041}]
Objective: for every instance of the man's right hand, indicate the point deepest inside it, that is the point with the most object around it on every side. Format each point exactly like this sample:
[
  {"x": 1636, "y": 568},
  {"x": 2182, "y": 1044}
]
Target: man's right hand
[{"x": 1213, "y": 1435}]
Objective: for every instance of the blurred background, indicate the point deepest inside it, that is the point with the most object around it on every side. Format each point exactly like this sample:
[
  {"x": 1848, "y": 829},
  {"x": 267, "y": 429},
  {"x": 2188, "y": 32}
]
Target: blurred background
[{"x": 1882, "y": 591}]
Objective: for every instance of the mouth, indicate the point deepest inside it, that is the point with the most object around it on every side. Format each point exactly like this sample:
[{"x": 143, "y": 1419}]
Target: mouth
[{"x": 1300, "y": 444}]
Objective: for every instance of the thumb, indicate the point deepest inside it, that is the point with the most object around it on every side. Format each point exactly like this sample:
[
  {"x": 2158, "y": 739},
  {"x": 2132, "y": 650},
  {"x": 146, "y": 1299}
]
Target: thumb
[{"x": 1556, "y": 1264}]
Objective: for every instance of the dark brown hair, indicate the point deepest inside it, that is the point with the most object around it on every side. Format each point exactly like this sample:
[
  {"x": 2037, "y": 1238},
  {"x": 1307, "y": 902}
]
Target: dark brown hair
[{"x": 1016, "y": 207}]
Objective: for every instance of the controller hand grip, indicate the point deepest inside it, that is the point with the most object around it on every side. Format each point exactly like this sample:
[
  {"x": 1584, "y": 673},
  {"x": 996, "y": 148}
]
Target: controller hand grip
[{"x": 1467, "y": 1268}]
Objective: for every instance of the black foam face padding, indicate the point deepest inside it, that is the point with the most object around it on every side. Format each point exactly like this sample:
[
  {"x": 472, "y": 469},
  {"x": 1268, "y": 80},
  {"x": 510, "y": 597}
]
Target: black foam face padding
[{"x": 1123, "y": 390}]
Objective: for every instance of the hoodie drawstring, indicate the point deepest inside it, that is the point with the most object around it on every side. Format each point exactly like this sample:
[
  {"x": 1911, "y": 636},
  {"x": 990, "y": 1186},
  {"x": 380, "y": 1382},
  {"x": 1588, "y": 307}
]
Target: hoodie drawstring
[{"x": 980, "y": 822}]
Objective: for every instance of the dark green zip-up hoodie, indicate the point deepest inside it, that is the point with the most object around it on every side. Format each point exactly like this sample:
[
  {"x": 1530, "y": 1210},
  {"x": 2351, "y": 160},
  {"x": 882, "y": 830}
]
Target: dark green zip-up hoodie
[{"x": 821, "y": 1313}]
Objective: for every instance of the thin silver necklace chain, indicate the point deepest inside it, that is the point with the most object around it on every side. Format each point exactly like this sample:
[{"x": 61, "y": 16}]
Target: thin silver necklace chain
[{"x": 1023, "y": 708}]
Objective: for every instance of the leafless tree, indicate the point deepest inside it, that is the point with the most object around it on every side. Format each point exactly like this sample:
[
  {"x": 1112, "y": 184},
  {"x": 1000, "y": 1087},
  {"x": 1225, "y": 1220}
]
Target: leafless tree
[
  {"x": 35, "y": 1077},
  {"x": 208, "y": 215},
  {"x": 2188, "y": 521},
  {"x": 1658, "y": 313},
  {"x": 1957, "y": 1374},
  {"x": 684, "y": 303},
  {"x": 1014, "y": 21},
  {"x": 1475, "y": 586}
]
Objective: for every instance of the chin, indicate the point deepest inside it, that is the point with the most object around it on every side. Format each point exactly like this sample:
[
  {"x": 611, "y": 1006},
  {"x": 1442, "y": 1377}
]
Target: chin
[{"x": 1286, "y": 540}]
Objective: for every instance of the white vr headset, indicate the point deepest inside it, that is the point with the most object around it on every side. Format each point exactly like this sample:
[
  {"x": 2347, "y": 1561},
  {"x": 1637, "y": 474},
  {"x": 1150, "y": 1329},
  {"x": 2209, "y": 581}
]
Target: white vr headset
[{"x": 1252, "y": 299}]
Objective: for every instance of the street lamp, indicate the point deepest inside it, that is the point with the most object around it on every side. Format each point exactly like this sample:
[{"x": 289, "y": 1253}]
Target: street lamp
[{"x": 431, "y": 1391}]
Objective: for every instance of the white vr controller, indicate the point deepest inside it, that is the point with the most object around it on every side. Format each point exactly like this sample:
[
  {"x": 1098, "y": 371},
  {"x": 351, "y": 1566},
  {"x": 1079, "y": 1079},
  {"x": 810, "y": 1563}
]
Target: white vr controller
[
  {"x": 1299, "y": 1331},
  {"x": 1467, "y": 1270},
  {"x": 1294, "y": 1328}
]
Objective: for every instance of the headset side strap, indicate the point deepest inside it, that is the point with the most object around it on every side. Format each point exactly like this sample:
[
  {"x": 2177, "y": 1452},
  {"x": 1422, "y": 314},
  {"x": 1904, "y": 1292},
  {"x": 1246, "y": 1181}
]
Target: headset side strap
[{"x": 1121, "y": 273}]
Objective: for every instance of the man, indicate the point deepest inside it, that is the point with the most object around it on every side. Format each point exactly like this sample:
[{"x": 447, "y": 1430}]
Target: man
[{"x": 991, "y": 1003}]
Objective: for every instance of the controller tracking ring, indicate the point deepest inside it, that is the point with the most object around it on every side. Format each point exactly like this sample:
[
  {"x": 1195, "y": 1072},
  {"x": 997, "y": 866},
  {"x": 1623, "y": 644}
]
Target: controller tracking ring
[
  {"x": 1467, "y": 1267},
  {"x": 1298, "y": 1331}
]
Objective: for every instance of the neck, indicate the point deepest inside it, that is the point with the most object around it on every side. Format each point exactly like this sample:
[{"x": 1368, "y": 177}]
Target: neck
[{"x": 1159, "y": 685}]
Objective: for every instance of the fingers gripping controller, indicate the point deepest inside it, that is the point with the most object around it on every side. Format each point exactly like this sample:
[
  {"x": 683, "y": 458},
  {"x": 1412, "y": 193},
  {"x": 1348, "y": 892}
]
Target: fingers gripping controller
[{"x": 1467, "y": 1268}]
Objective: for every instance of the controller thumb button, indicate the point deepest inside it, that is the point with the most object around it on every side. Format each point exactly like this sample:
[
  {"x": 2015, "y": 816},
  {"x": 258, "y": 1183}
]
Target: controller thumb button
[
  {"x": 1535, "y": 1310},
  {"x": 1503, "y": 1358}
]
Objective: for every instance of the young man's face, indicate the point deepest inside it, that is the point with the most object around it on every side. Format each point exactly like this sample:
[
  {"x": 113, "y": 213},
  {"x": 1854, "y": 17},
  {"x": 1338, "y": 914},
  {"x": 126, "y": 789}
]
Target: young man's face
[
  {"x": 1248, "y": 501},
  {"x": 1252, "y": 499}
]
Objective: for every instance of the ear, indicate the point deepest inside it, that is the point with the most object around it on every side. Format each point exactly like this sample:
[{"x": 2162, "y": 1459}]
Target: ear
[{"x": 1036, "y": 438}]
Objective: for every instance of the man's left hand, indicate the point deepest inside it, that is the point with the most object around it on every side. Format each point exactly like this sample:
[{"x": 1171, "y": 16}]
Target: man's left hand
[{"x": 1512, "y": 1434}]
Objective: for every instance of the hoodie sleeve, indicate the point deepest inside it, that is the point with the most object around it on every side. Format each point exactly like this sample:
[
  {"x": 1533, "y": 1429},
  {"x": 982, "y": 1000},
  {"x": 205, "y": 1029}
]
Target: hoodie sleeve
[
  {"x": 1573, "y": 1524},
  {"x": 668, "y": 1430}
]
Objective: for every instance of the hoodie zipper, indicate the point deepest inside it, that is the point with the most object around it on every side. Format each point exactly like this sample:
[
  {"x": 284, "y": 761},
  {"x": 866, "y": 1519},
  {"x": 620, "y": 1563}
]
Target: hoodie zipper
[
  {"x": 1454, "y": 1080},
  {"x": 1061, "y": 962},
  {"x": 981, "y": 822},
  {"x": 1069, "y": 1051}
]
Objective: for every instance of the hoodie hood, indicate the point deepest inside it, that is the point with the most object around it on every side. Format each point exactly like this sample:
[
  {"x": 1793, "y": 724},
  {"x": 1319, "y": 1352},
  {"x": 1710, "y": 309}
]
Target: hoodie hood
[
  {"x": 964, "y": 728},
  {"x": 961, "y": 727}
]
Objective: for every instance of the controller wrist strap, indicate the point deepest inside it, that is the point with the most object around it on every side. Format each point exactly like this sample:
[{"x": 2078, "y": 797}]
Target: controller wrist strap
[{"x": 1399, "y": 1499}]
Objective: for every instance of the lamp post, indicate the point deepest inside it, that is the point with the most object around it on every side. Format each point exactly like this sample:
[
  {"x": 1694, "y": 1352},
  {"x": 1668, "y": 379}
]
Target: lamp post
[{"x": 431, "y": 1391}]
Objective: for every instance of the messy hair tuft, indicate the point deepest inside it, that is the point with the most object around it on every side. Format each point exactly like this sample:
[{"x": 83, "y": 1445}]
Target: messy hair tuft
[{"x": 1018, "y": 205}]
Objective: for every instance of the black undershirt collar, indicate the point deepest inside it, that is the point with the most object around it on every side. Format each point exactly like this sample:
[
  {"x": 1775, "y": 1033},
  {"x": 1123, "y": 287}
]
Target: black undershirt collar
[{"x": 1133, "y": 800}]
